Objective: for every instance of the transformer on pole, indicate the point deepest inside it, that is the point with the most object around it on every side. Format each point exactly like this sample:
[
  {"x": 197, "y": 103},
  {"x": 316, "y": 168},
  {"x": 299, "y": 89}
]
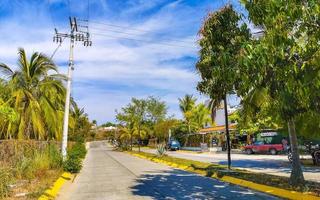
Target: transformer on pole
[{"x": 76, "y": 34}]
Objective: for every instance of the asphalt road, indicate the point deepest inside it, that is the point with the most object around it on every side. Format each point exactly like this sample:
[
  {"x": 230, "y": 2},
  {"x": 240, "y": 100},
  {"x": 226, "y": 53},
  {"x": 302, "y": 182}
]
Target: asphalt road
[
  {"x": 269, "y": 164},
  {"x": 114, "y": 175}
]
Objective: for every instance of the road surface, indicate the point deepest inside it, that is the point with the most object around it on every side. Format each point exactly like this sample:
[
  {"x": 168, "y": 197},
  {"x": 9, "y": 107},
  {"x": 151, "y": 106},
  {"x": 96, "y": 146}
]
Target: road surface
[
  {"x": 119, "y": 176},
  {"x": 269, "y": 164}
]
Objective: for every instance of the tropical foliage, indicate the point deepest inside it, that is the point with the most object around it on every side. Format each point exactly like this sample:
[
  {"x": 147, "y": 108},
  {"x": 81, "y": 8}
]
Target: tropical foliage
[
  {"x": 284, "y": 62},
  {"x": 32, "y": 100},
  {"x": 36, "y": 93},
  {"x": 221, "y": 40},
  {"x": 144, "y": 119}
]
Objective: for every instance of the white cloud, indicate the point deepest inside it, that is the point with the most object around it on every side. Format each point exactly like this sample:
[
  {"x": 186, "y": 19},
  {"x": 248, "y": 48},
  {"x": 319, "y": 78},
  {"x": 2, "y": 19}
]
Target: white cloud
[{"x": 113, "y": 70}]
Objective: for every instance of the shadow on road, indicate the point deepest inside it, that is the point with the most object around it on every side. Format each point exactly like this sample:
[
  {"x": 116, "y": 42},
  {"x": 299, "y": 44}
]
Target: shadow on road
[
  {"x": 178, "y": 184},
  {"x": 265, "y": 164}
]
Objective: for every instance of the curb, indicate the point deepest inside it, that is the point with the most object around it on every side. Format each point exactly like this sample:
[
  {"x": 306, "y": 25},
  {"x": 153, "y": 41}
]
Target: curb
[
  {"x": 236, "y": 181},
  {"x": 52, "y": 192}
]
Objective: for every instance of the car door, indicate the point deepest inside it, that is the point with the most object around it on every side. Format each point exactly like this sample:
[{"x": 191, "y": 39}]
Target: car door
[{"x": 258, "y": 146}]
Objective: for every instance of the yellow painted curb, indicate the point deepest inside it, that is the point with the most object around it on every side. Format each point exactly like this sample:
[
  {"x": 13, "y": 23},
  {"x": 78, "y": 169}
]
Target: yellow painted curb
[
  {"x": 248, "y": 184},
  {"x": 52, "y": 192},
  {"x": 269, "y": 189}
]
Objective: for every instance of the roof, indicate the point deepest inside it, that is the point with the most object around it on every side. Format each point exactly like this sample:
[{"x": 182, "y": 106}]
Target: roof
[{"x": 217, "y": 129}]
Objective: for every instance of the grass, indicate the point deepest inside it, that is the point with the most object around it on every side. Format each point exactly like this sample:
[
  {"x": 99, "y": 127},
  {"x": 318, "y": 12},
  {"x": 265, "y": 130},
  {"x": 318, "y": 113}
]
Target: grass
[
  {"x": 209, "y": 169},
  {"x": 31, "y": 168}
]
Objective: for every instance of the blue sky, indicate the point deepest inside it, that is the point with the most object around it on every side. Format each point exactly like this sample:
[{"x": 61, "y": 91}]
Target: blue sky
[{"x": 158, "y": 60}]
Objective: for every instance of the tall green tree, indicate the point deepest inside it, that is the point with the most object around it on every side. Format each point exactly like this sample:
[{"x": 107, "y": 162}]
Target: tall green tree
[
  {"x": 285, "y": 61},
  {"x": 221, "y": 40},
  {"x": 140, "y": 107},
  {"x": 37, "y": 95},
  {"x": 186, "y": 105}
]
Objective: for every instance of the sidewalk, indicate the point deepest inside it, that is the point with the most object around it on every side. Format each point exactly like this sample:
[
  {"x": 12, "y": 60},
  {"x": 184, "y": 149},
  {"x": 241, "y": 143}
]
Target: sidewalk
[{"x": 115, "y": 175}]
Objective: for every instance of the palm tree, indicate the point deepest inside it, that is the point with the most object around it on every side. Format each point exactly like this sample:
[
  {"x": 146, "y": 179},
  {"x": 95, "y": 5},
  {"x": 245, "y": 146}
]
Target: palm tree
[
  {"x": 187, "y": 104},
  {"x": 201, "y": 115},
  {"x": 37, "y": 94}
]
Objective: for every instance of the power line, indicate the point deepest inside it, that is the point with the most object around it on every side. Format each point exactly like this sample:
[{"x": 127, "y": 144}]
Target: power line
[
  {"x": 135, "y": 34},
  {"x": 140, "y": 40},
  {"x": 129, "y": 27},
  {"x": 57, "y": 48}
]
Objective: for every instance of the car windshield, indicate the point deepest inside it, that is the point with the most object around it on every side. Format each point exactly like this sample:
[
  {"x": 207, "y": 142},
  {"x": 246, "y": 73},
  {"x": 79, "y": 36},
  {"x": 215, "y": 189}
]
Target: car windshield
[{"x": 174, "y": 142}]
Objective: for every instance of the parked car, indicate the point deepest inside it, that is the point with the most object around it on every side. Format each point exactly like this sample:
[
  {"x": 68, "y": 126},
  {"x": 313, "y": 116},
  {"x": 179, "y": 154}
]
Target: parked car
[
  {"x": 174, "y": 145},
  {"x": 262, "y": 147}
]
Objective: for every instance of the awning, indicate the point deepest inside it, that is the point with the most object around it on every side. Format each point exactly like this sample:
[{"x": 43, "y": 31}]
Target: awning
[{"x": 216, "y": 129}]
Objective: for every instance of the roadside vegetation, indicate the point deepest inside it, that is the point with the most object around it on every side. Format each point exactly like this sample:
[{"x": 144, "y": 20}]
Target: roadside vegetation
[
  {"x": 275, "y": 71},
  {"x": 31, "y": 115},
  {"x": 145, "y": 121}
]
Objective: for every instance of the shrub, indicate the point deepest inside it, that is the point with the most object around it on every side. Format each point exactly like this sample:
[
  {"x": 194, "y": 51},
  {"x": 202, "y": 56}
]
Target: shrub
[
  {"x": 72, "y": 164},
  {"x": 5, "y": 180},
  {"x": 161, "y": 150},
  {"x": 78, "y": 150},
  {"x": 23, "y": 168},
  {"x": 55, "y": 156}
]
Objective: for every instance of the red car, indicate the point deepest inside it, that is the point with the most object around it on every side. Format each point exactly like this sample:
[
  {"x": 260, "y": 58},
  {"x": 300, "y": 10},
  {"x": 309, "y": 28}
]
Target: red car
[{"x": 261, "y": 147}]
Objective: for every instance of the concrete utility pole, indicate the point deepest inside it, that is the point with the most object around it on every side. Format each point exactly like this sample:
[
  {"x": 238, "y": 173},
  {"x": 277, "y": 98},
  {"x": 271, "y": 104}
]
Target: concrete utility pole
[{"x": 75, "y": 35}]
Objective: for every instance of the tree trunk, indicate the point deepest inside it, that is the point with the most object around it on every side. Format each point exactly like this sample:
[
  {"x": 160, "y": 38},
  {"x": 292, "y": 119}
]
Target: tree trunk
[
  {"x": 131, "y": 140},
  {"x": 187, "y": 138},
  {"x": 296, "y": 177},
  {"x": 139, "y": 137},
  {"x": 227, "y": 131}
]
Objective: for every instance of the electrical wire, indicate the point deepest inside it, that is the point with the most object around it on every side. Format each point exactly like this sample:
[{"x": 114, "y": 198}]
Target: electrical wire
[
  {"x": 140, "y": 40},
  {"x": 57, "y": 48},
  {"x": 135, "y": 34}
]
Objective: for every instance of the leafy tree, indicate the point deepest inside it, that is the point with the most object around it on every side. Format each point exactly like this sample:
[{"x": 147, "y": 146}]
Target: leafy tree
[
  {"x": 37, "y": 95},
  {"x": 80, "y": 125},
  {"x": 140, "y": 109},
  {"x": 162, "y": 128},
  {"x": 221, "y": 39},
  {"x": 285, "y": 62},
  {"x": 126, "y": 118},
  {"x": 107, "y": 124},
  {"x": 187, "y": 105},
  {"x": 156, "y": 109}
]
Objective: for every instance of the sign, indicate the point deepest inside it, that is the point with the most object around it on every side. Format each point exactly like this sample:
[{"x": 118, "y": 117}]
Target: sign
[{"x": 266, "y": 134}]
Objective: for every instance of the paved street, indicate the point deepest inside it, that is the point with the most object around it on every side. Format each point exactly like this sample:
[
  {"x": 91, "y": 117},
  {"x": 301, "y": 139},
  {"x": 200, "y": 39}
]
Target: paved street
[
  {"x": 270, "y": 164},
  {"x": 115, "y": 175}
]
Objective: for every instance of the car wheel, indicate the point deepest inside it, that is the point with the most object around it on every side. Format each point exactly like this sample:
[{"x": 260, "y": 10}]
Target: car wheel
[
  {"x": 273, "y": 151},
  {"x": 249, "y": 151}
]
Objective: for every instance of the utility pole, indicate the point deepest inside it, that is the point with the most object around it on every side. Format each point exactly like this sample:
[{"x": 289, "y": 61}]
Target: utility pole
[{"x": 75, "y": 35}]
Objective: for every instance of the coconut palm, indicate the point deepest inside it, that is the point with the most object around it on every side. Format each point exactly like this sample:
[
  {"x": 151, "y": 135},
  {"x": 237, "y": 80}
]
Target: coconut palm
[
  {"x": 37, "y": 95},
  {"x": 201, "y": 115},
  {"x": 187, "y": 104}
]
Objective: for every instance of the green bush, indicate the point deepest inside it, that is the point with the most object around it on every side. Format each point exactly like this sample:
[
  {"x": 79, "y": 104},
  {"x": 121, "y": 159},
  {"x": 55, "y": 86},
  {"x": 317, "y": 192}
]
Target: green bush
[
  {"x": 78, "y": 150},
  {"x": 6, "y": 179},
  {"x": 73, "y": 163}
]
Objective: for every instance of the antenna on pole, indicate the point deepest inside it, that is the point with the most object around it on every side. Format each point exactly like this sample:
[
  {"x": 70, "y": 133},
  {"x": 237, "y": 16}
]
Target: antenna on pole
[{"x": 75, "y": 35}]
